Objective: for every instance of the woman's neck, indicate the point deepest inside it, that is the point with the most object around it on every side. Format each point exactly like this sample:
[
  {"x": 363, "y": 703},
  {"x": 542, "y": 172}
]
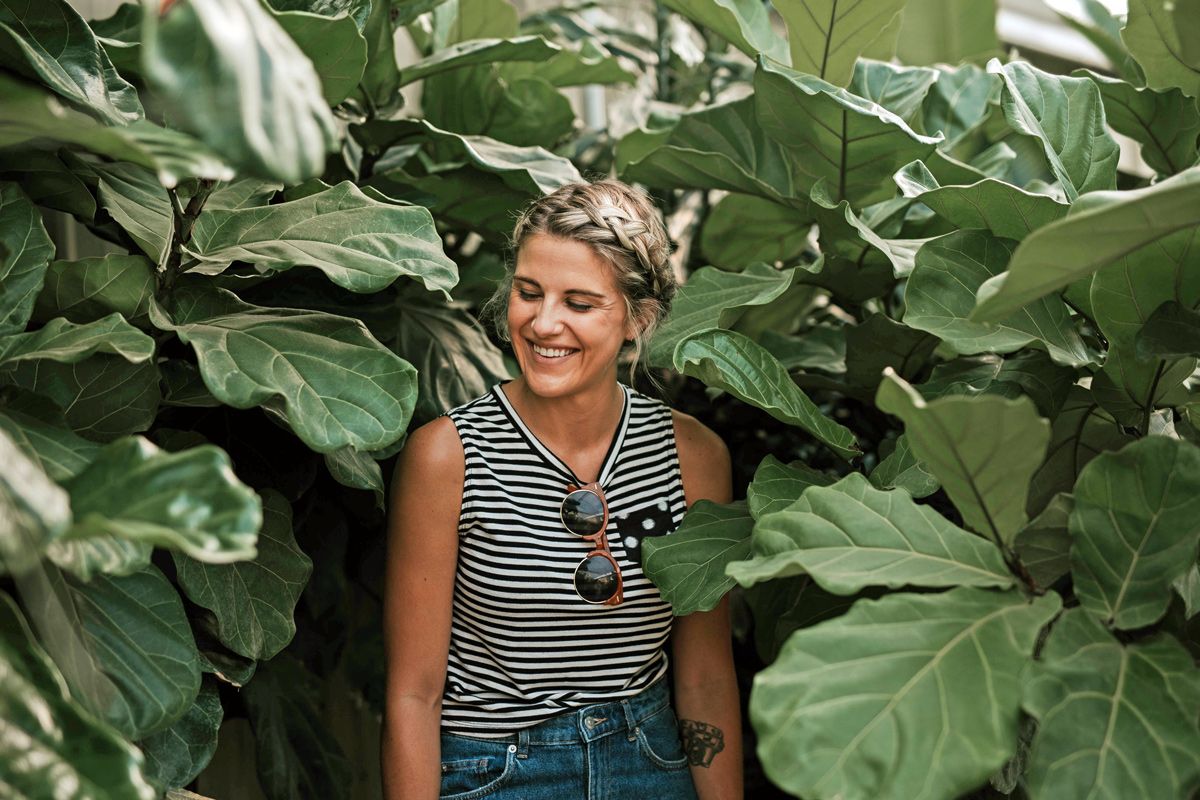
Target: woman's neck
[{"x": 578, "y": 422}]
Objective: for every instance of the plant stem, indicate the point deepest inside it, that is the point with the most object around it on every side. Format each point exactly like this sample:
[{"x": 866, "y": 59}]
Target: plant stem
[
  {"x": 662, "y": 20},
  {"x": 185, "y": 221}
]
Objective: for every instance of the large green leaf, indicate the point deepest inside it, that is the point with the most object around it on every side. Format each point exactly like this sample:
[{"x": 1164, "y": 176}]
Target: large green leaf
[
  {"x": 1100, "y": 229},
  {"x": 49, "y": 42},
  {"x": 827, "y": 36},
  {"x": 746, "y": 24},
  {"x": 940, "y": 296},
  {"x": 578, "y": 64},
  {"x": 335, "y": 384},
  {"x": 51, "y": 747},
  {"x": 1131, "y": 388},
  {"x": 901, "y": 469},
  {"x": 1000, "y": 207},
  {"x": 1028, "y": 372},
  {"x": 253, "y": 600},
  {"x": 103, "y": 397},
  {"x": 832, "y": 135},
  {"x": 210, "y": 60},
  {"x": 1044, "y": 545},
  {"x": 91, "y": 288},
  {"x": 819, "y": 348},
  {"x": 958, "y": 102},
  {"x": 132, "y": 492},
  {"x": 879, "y": 342},
  {"x": 48, "y": 181},
  {"x": 689, "y": 565},
  {"x": 298, "y": 756},
  {"x": 43, "y": 435},
  {"x": 137, "y": 202},
  {"x": 901, "y": 90},
  {"x": 742, "y": 229},
  {"x": 1066, "y": 116},
  {"x": 947, "y": 31},
  {"x": 983, "y": 450},
  {"x": 1170, "y": 331},
  {"x": 175, "y": 756},
  {"x": 68, "y": 343},
  {"x": 34, "y": 511},
  {"x": 523, "y": 109},
  {"x": 124, "y": 645},
  {"x": 28, "y": 113},
  {"x": 780, "y": 607},
  {"x": 1102, "y": 26},
  {"x": 911, "y": 697},
  {"x": 1114, "y": 720},
  {"x": 351, "y": 467},
  {"x": 850, "y": 239},
  {"x": 712, "y": 298},
  {"x": 717, "y": 147},
  {"x": 334, "y": 45},
  {"x": 1166, "y": 124},
  {"x": 729, "y": 361},
  {"x": 450, "y": 350},
  {"x": 361, "y": 243},
  {"x": 850, "y": 535},
  {"x": 1125, "y": 293},
  {"x": 25, "y": 252},
  {"x": 1135, "y": 526},
  {"x": 1162, "y": 37},
  {"x": 380, "y": 87},
  {"x": 777, "y": 485},
  {"x": 480, "y": 51}
]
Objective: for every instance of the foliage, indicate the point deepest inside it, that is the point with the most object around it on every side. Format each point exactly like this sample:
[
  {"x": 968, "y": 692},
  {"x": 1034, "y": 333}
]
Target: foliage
[{"x": 950, "y": 346}]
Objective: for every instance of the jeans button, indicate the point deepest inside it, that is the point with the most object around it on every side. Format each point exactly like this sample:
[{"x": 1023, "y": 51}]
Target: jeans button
[
  {"x": 592, "y": 722},
  {"x": 512, "y": 748}
]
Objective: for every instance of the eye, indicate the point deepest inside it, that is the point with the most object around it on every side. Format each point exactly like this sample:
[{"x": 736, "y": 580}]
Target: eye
[
  {"x": 574, "y": 306},
  {"x": 524, "y": 295}
]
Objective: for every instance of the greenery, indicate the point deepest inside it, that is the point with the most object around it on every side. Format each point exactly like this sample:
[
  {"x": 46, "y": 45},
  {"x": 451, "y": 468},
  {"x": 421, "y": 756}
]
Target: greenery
[{"x": 951, "y": 347}]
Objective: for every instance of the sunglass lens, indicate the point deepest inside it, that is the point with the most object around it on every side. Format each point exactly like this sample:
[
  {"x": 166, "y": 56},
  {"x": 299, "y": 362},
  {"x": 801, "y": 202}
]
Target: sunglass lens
[
  {"x": 596, "y": 579},
  {"x": 583, "y": 512}
]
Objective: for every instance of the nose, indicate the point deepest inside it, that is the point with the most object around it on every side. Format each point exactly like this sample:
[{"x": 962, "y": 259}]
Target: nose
[{"x": 546, "y": 322}]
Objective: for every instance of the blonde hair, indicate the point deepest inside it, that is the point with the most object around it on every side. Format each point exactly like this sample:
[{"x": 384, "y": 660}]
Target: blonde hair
[{"x": 622, "y": 225}]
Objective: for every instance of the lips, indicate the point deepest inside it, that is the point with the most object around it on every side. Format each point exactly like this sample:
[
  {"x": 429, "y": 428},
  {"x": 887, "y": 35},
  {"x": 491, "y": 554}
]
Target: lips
[{"x": 551, "y": 353}]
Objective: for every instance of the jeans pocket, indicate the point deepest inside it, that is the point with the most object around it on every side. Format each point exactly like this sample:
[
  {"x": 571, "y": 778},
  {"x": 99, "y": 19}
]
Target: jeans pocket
[
  {"x": 473, "y": 768},
  {"x": 658, "y": 739}
]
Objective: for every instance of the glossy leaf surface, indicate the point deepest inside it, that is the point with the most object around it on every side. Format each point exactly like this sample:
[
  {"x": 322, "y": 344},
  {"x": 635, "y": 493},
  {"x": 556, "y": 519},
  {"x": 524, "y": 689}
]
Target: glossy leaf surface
[{"x": 689, "y": 565}]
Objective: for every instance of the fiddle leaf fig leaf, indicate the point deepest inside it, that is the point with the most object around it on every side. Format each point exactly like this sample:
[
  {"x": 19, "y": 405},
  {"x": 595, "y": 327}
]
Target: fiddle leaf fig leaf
[
  {"x": 901, "y": 469},
  {"x": 69, "y": 343},
  {"x": 742, "y": 229},
  {"x": 34, "y": 510},
  {"x": 713, "y": 298},
  {"x": 50, "y": 741},
  {"x": 1044, "y": 545},
  {"x": 25, "y": 253},
  {"x": 1171, "y": 331},
  {"x": 1165, "y": 124},
  {"x": 1113, "y": 224},
  {"x": 1005, "y": 210},
  {"x": 851, "y": 535},
  {"x": 746, "y": 24},
  {"x": 333, "y": 43},
  {"x": 188, "y": 501},
  {"x": 209, "y": 60},
  {"x": 689, "y": 565},
  {"x": 254, "y": 600},
  {"x": 827, "y": 37},
  {"x": 901, "y": 90},
  {"x": 362, "y": 244},
  {"x": 777, "y": 485},
  {"x": 479, "y": 51},
  {"x": 45, "y": 438},
  {"x": 834, "y": 136},
  {"x": 50, "y": 42},
  {"x": 90, "y": 288},
  {"x": 941, "y": 295},
  {"x": 983, "y": 449},
  {"x": 1116, "y": 718},
  {"x": 729, "y": 361},
  {"x": 137, "y": 202},
  {"x": 1066, "y": 115},
  {"x": 1162, "y": 37},
  {"x": 175, "y": 756},
  {"x": 844, "y": 691},
  {"x": 341, "y": 386},
  {"x": 1134, "y": 529}
]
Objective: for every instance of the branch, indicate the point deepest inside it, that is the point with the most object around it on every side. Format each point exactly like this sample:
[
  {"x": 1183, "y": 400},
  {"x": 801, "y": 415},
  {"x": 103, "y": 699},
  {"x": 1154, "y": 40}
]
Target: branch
[{"x": 181, "y": 234}]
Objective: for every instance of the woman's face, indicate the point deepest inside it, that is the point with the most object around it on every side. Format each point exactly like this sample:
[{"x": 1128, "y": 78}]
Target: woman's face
[{"x": 566, "y": 316}]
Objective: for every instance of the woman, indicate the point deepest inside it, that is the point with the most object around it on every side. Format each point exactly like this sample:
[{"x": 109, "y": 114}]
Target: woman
[{"x": 527, "y": 652}]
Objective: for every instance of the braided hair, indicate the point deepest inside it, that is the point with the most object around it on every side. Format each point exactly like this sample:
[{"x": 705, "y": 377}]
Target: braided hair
[{"x": 622, "y": 225}]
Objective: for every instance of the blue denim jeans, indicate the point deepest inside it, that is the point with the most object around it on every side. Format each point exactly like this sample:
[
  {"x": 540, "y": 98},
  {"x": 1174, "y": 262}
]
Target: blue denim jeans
[{"x": 625, "y": 750}]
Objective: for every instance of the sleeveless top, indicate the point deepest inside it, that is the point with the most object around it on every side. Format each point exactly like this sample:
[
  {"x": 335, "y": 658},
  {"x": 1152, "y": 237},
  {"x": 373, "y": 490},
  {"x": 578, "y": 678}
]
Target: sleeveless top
[{"x": 523, "y": 645}]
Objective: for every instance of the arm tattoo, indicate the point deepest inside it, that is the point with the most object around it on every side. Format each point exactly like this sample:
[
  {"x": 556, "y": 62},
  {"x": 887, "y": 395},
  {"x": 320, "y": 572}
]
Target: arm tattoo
[{"x": 701, "y": 741}]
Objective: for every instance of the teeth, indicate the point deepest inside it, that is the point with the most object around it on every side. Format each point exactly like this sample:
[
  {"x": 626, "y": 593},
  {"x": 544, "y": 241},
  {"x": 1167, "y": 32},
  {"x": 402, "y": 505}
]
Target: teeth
[{"x": 542, "y": 351}]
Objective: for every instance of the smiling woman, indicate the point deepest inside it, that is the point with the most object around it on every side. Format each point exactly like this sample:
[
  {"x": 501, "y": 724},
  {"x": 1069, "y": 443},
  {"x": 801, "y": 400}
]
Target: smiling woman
[{"x": 527, "y": 651}]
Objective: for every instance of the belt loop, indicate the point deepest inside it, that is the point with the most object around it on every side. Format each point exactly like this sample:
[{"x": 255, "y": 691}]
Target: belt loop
[
  {"x": 631, "y": 722},
  {"x": 523, "y": 743}
]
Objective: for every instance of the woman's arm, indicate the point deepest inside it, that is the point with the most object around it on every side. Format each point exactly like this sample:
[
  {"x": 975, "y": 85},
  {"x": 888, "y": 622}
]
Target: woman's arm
[
  {"x": 706, "y": 694},
  {"x": 426, "y": 497}
]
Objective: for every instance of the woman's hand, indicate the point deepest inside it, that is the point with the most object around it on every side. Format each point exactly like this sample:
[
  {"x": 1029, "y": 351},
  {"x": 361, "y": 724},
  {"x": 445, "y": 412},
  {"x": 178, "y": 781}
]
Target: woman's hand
[
  {"x": 706, "y": 694},
  {"x": 426, "y": 498}
]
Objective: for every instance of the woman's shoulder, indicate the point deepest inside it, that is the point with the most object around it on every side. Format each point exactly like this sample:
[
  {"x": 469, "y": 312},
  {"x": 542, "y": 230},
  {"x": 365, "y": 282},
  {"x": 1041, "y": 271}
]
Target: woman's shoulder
[
  {"x": 704, "y": 461},
  {"x": 435, "y": 449}
]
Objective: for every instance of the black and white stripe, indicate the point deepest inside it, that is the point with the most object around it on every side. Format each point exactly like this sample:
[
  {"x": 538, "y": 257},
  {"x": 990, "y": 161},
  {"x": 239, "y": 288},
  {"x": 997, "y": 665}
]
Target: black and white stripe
[{"x": 523, "y": 645}]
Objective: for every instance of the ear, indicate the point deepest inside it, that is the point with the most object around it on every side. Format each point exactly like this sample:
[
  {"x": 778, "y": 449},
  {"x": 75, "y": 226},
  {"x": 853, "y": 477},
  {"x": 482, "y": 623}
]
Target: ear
[{"x": 635, "y": 325}]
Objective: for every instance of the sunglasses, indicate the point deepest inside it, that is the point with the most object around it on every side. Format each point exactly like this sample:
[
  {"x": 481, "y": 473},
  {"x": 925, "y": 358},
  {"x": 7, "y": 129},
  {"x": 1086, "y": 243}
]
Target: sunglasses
[{"x": 585, "y": 514}]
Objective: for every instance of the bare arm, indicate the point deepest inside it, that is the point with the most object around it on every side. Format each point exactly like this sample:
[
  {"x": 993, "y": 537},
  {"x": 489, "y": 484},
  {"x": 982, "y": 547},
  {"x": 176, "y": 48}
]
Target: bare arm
[
  {"x": 426, "y": 497},
  {"x": 706, "y": 694}
]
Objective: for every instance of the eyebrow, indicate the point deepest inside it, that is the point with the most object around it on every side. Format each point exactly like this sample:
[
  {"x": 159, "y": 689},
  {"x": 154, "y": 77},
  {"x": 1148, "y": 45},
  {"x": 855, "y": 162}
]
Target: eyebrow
[{"x": 584, "y": 292}]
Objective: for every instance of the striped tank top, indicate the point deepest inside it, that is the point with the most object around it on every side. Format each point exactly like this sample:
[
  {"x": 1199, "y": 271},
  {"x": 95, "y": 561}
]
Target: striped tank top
[{"x": 523, "y": 645}]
